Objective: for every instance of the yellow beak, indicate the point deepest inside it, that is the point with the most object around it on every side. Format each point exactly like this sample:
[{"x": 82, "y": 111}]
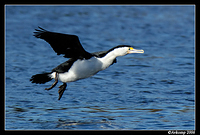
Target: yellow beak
[{"x": 132, "y": 50}]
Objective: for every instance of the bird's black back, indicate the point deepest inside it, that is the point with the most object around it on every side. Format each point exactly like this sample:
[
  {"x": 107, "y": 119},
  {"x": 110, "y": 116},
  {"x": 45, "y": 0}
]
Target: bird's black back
[{"x": 64, "y": 67}]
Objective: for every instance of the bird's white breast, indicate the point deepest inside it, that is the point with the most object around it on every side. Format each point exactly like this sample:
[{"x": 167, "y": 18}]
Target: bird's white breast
[{"x": 80, "y": 69}]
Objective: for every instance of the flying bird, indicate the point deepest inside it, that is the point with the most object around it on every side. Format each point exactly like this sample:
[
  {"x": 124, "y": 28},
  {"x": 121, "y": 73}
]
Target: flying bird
[{"x": 81, "y": 64}]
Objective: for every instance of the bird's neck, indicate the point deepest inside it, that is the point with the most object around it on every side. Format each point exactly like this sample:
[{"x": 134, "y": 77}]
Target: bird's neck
[{"x": 108, "y": 59}]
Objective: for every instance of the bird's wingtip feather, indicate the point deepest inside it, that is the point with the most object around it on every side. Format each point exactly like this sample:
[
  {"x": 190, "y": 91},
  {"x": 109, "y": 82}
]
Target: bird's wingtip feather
[{"x": 39, "y": 31}]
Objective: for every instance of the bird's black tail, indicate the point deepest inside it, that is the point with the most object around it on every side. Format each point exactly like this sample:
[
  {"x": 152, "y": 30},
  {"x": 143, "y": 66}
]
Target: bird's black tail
[{"x": 41, "y": 78}]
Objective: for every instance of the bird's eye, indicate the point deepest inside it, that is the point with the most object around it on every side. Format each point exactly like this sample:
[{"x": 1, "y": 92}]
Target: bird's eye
[{"x": 130, "y": 48}]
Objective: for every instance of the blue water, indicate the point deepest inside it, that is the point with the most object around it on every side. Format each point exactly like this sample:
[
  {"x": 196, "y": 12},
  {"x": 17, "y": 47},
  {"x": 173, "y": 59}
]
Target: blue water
[{"x": 150, "y": 91}]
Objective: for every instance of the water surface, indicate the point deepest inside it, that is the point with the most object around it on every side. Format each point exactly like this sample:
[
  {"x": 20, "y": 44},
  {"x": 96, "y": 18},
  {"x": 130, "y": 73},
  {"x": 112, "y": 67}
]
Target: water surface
[{"x": 150, "y": 91}]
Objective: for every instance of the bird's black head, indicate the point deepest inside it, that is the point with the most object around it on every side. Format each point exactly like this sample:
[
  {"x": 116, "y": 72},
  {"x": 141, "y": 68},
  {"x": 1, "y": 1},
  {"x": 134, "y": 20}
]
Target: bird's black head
[{"x": 125, "y": 49}]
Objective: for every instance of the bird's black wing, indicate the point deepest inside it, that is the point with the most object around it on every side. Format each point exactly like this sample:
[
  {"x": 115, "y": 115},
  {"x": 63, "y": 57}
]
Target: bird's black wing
[
  {"x": 66, "y": 44},
  {"x": 102, "y": 54}
]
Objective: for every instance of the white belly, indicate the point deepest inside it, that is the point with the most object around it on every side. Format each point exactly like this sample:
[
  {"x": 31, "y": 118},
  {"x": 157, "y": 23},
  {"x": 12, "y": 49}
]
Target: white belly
[{"x": 80, "y": 69}]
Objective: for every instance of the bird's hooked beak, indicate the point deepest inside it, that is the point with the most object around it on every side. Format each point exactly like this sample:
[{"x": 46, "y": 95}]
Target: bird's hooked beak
[{"x": 132, "y": 50}]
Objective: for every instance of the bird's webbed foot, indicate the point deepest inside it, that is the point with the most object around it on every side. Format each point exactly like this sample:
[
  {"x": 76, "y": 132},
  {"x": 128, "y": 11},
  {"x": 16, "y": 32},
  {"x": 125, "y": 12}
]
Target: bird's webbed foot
[
  {"x": 54, "y": 84},
  {"x": 61, "y": 90}
]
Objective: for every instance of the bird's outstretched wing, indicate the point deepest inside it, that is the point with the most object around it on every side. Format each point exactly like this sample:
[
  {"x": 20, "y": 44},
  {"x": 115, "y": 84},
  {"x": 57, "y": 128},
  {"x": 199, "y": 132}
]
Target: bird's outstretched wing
[{"x": 66, "y": 44}]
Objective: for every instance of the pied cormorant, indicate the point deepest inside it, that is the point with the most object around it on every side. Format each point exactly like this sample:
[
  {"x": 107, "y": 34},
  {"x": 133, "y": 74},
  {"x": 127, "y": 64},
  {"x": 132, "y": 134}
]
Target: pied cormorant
[{"x": 81, "y": 64}]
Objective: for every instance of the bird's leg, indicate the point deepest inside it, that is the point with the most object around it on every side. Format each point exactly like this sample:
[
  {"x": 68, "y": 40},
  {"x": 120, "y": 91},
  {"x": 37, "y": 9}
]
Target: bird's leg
[
  {"x": 61, "y": 90},
  {"x": 54, "y": 84}
]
